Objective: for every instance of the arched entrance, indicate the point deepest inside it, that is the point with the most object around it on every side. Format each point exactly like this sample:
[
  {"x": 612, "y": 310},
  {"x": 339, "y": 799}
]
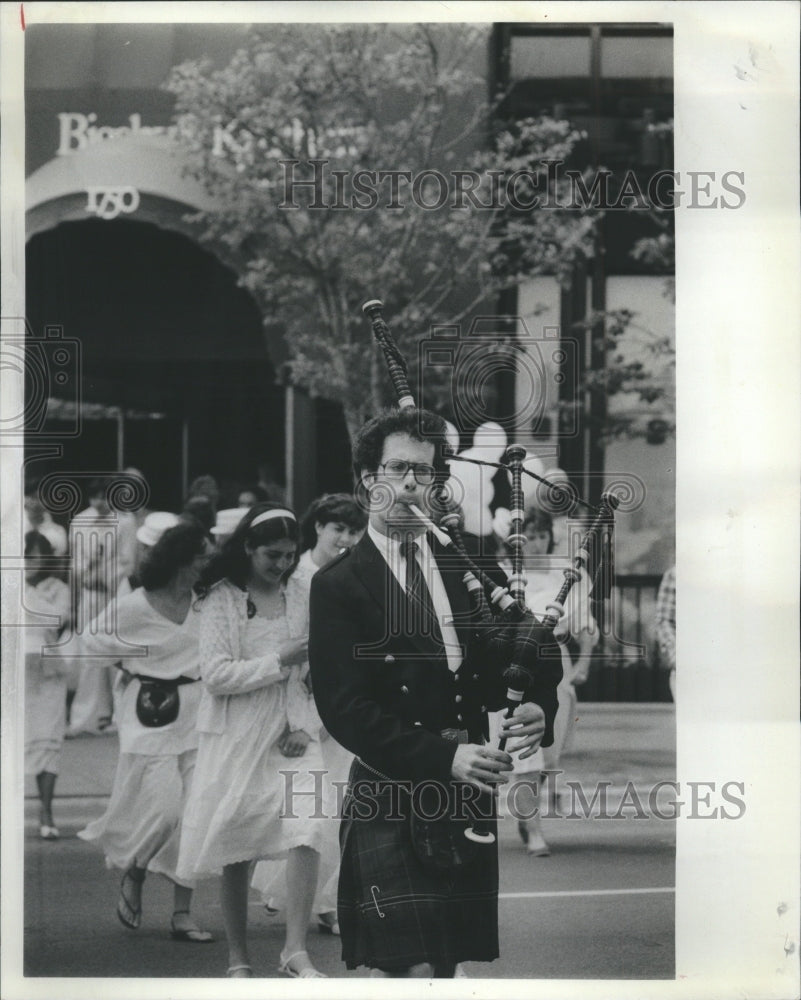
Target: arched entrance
[{"x": 169, "y": 339}]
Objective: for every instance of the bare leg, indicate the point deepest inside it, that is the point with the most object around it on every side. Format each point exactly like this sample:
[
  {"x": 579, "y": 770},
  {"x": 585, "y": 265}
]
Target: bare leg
[
  {"x": 302, "y": 867},
  {"x": 563, "y": 725},
  {"x": 46, "y": 783},
  {"x": 235, "y": 911},
  {"x": 133, "y": 886},
  {"x": 182, "y": 898},
  {"x": 527, "y": 809},
  {"x": 182, "y": 925},
  {"x": 129, "y": 902}
]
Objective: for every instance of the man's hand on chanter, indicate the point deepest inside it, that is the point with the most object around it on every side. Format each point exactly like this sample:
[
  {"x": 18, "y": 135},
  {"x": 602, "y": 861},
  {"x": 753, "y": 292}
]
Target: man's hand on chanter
[
  {"x": 481, "y": 766},
  {"x": 525, "y": 728}
]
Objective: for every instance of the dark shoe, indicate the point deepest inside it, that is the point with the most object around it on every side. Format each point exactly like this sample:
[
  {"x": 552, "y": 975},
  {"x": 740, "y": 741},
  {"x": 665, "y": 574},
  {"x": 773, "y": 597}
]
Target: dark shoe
[{"x": 130, "y": 917}]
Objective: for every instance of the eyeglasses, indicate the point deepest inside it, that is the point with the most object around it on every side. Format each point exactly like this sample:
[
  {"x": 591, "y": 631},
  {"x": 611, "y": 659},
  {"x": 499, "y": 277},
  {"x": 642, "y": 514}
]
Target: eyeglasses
[{"x": 396, "y": 468}]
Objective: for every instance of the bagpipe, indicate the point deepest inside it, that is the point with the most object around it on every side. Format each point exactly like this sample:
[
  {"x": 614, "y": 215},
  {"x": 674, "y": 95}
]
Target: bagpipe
[{"x": 504, "y": 625}]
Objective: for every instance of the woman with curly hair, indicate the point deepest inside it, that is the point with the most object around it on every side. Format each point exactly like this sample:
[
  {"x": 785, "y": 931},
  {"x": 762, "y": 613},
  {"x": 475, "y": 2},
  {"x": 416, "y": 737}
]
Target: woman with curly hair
[
  {"x": 156, "y": 642},
  {"x": 252, "y": 719}
]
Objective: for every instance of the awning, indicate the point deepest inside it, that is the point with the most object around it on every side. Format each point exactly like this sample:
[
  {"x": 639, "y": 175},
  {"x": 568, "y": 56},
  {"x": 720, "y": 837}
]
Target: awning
[
  {"x": 153, "y": 165},
  {"x": 65, "y": 409}
]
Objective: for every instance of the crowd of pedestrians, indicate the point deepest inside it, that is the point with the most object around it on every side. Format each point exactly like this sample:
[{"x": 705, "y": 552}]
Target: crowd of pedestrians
[
  {"x": 204, "y": 676},
  {"x": 188, "y": 635}
]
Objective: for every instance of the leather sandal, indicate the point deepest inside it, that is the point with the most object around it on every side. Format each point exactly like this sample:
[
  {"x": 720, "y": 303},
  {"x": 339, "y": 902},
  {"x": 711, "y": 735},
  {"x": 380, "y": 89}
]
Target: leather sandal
[
  {"x": 191, "y": 934},
  {"x": 239, "y": 972},
  {"x": 130, "y": 916},
  {"x": 306, "y": 971}
]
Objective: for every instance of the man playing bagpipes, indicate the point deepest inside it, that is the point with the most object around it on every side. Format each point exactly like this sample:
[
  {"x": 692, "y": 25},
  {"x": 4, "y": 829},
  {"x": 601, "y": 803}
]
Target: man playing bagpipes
[{"x": 402, "y": 679}]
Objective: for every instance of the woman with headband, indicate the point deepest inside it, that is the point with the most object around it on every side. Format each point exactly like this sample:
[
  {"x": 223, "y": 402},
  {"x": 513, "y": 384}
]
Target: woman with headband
[
  {"x": 253, "y": 642},
  {"x": 333, "y": 524}
]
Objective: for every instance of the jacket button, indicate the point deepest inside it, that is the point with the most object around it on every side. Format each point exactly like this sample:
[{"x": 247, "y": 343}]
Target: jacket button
[
  {"x": 456, "y": 678},
  {"x": 458, "y": 718},
  {"x": 458, "y": 698},
  {"x": 389, "y": 658},
  {"x": 475, "y": 677},
  {"x": 483, "y": 708},
  {"x": 404, "y": 689}
]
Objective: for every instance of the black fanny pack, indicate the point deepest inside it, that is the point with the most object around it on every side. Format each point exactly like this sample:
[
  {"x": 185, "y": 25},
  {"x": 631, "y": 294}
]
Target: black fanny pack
[{"x": 158, "y": 701}]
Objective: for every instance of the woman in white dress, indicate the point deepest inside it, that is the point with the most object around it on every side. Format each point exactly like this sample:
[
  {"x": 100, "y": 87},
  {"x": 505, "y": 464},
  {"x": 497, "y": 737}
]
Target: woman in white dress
[
  {"x": 333, "y": 523},
  {"x": 253, "y": 641},
  {"x": 544, "y": 578},
  {"x": 47, "y": 611},
  {"x": 156, "y": 637}
]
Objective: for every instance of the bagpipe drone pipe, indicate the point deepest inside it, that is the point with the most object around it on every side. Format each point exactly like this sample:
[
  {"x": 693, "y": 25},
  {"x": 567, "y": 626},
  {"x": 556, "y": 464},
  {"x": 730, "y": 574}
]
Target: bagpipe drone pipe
[{"x": 501, "y": 622}]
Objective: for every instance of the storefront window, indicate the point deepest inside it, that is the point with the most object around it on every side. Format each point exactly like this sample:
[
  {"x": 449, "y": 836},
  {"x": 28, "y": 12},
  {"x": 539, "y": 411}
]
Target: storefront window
[
  {"x": 640, "y": 56},
  {"x": 549, "y": 56}
]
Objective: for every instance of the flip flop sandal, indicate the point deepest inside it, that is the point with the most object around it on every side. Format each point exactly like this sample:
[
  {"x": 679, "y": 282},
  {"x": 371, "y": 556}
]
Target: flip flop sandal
[
  {"x": 191, "y": 934},
  {"x": 307, "y": 971},
  {"x": 129, "y": 916}
]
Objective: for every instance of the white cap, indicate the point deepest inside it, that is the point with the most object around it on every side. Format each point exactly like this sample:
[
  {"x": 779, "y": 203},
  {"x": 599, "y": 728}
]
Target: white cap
[
  {"x": 227, "y": 520},
  {"x": 155, "y": 525}
]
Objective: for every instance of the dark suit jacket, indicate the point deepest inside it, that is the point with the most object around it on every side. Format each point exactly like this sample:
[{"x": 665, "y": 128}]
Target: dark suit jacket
[{"x": 386, "y": 695}]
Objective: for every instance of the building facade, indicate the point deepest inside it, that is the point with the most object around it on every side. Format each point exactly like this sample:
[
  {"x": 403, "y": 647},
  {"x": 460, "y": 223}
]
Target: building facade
[{"x": 179, "y": 376}]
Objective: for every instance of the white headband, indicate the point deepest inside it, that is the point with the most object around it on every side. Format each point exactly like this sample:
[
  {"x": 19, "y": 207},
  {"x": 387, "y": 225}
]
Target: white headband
[{"x": 269, "y": 514}]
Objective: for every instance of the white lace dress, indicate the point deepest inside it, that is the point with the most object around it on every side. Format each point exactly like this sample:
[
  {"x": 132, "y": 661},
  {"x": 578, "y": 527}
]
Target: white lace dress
[
  {"x": 269, "y": 877},
  {"x": 242, "y": 807}
]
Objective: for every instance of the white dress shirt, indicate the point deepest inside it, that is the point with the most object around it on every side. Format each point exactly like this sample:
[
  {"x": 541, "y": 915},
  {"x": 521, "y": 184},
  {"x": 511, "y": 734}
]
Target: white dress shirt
[{"x": 390, "y": 550}]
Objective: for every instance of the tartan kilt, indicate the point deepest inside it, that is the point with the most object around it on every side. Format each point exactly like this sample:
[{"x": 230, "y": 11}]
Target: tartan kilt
[{"x": 393, "y": 911}]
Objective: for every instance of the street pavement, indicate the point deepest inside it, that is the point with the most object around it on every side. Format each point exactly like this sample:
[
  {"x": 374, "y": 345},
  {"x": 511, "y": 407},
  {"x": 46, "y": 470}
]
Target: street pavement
[{"x": 601, "y": 906}]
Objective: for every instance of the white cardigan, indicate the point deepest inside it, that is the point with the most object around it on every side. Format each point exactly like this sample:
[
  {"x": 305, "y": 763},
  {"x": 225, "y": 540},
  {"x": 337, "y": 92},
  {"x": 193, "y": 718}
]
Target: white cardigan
[{"x": 223, "y": 619}]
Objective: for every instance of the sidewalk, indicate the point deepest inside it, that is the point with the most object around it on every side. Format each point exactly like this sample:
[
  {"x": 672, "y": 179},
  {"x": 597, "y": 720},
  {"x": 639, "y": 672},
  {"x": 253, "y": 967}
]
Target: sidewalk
[{"x": 614, "y": 742}]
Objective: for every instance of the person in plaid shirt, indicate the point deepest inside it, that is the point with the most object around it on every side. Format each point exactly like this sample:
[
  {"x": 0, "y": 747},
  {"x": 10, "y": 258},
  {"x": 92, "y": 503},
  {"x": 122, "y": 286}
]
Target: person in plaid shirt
[{"x": 666, "y": 624}]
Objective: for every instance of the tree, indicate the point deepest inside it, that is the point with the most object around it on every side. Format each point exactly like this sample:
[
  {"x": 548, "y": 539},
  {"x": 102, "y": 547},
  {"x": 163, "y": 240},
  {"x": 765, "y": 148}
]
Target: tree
[{"x": 410, "y": 199}]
